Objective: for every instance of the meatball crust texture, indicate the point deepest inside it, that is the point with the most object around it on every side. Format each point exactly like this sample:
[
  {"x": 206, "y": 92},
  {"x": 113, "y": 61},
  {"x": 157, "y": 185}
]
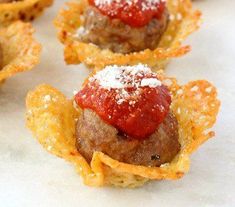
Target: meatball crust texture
[
  {"x": 113, "y": 34},
  {"x": 93, "y": 134}
]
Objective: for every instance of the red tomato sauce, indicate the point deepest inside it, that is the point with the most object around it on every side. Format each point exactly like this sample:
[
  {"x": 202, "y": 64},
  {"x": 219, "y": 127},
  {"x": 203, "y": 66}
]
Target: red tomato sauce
[
  {"x": 136, "y": 13},
  {"x": 138, "y": 116}
]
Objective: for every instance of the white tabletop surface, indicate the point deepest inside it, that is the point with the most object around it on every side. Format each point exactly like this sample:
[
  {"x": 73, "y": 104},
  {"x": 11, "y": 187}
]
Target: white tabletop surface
[{"x": 29, "y": 176}]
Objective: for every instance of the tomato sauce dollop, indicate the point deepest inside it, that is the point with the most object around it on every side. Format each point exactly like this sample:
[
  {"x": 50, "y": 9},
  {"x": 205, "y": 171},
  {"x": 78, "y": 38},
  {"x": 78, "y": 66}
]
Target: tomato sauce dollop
[
  {"x": 136, "y": 13},
  {"x": 134, "y": 111}
]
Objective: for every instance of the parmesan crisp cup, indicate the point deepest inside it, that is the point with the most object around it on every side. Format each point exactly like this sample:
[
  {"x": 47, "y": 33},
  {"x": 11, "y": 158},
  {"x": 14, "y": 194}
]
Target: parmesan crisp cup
[
  {"x": 19, "y": 50},
  {"x": 183, "y": 21},
  {"x": 52, "y": 119},
  {"x": 25, "y": 10}
]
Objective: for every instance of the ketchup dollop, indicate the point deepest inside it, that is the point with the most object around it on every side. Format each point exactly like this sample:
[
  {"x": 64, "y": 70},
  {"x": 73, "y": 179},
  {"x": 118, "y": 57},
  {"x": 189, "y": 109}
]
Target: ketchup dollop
[
  {"x": 130, "y": 98},
  {"x": 136, "y": 13}
]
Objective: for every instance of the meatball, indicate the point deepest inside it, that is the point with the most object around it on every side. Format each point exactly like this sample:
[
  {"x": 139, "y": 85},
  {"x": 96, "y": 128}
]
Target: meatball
[
  {"x": 113, "y": 34},
  {"x": 93, "y": 134}
]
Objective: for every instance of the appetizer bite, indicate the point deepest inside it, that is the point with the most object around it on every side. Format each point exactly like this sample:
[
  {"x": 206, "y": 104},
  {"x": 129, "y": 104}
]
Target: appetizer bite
[
  {"x": 127, "y": 125},
  {"x": 19, "y": 51},
  {"x": 25, "y": 10},
  {"x": 124, "y": 26},
  {"x": 126, "y": 115},
  {"x": 102, "y": 32}
]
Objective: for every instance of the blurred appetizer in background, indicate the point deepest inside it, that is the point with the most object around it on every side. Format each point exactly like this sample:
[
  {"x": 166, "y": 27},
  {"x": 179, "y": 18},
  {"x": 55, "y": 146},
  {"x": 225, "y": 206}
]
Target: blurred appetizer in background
[
  {"x": 105, "y": 32},
  {"x": 124, "y": 26},
  {"x": 25, "y": 10},
  {"x": 127, "y": 125},
  {"x": 19, "y": 51}
]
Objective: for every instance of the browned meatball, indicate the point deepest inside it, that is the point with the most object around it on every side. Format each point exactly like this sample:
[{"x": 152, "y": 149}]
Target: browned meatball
[
  {"x": 93, "y": 134},
  {"x": 113, "y": 34}
]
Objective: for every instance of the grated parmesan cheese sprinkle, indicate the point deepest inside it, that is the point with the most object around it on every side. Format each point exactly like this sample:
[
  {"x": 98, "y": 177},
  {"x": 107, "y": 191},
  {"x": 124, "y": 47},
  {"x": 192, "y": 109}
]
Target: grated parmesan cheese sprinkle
[
  {"x": 151, "y": 82},
  {"x": 119, "y": 77},
  {"x": 122, "y": 78},
  {"x": 145, "y": 5}
]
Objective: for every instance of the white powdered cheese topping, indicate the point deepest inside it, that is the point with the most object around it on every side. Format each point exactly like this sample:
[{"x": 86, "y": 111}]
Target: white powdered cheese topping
[
  {"x": 151, "y": 82},
  {"x": 118, "y": 77},
  {"x": 122, "y": 78},
  {"x": 145, "y": 5}
]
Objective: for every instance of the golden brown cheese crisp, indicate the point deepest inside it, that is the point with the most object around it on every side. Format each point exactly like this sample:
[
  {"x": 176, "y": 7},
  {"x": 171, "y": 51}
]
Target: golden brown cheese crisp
[
  {"x": 52, "y": 118},
  {"x": 183, "y": 21},
  {"x": 20, "y": 51},
  {"x": 25, "y": 10}
]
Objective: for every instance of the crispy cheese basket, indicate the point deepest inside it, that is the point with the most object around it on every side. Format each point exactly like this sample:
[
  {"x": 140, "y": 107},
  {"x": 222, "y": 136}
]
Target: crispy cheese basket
[
  {"x": 25, "y": 10},
  {"x": 182, "y": 22},
  {"x": 52, "y": 118},
  {"x": 19, "y": 50}
]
